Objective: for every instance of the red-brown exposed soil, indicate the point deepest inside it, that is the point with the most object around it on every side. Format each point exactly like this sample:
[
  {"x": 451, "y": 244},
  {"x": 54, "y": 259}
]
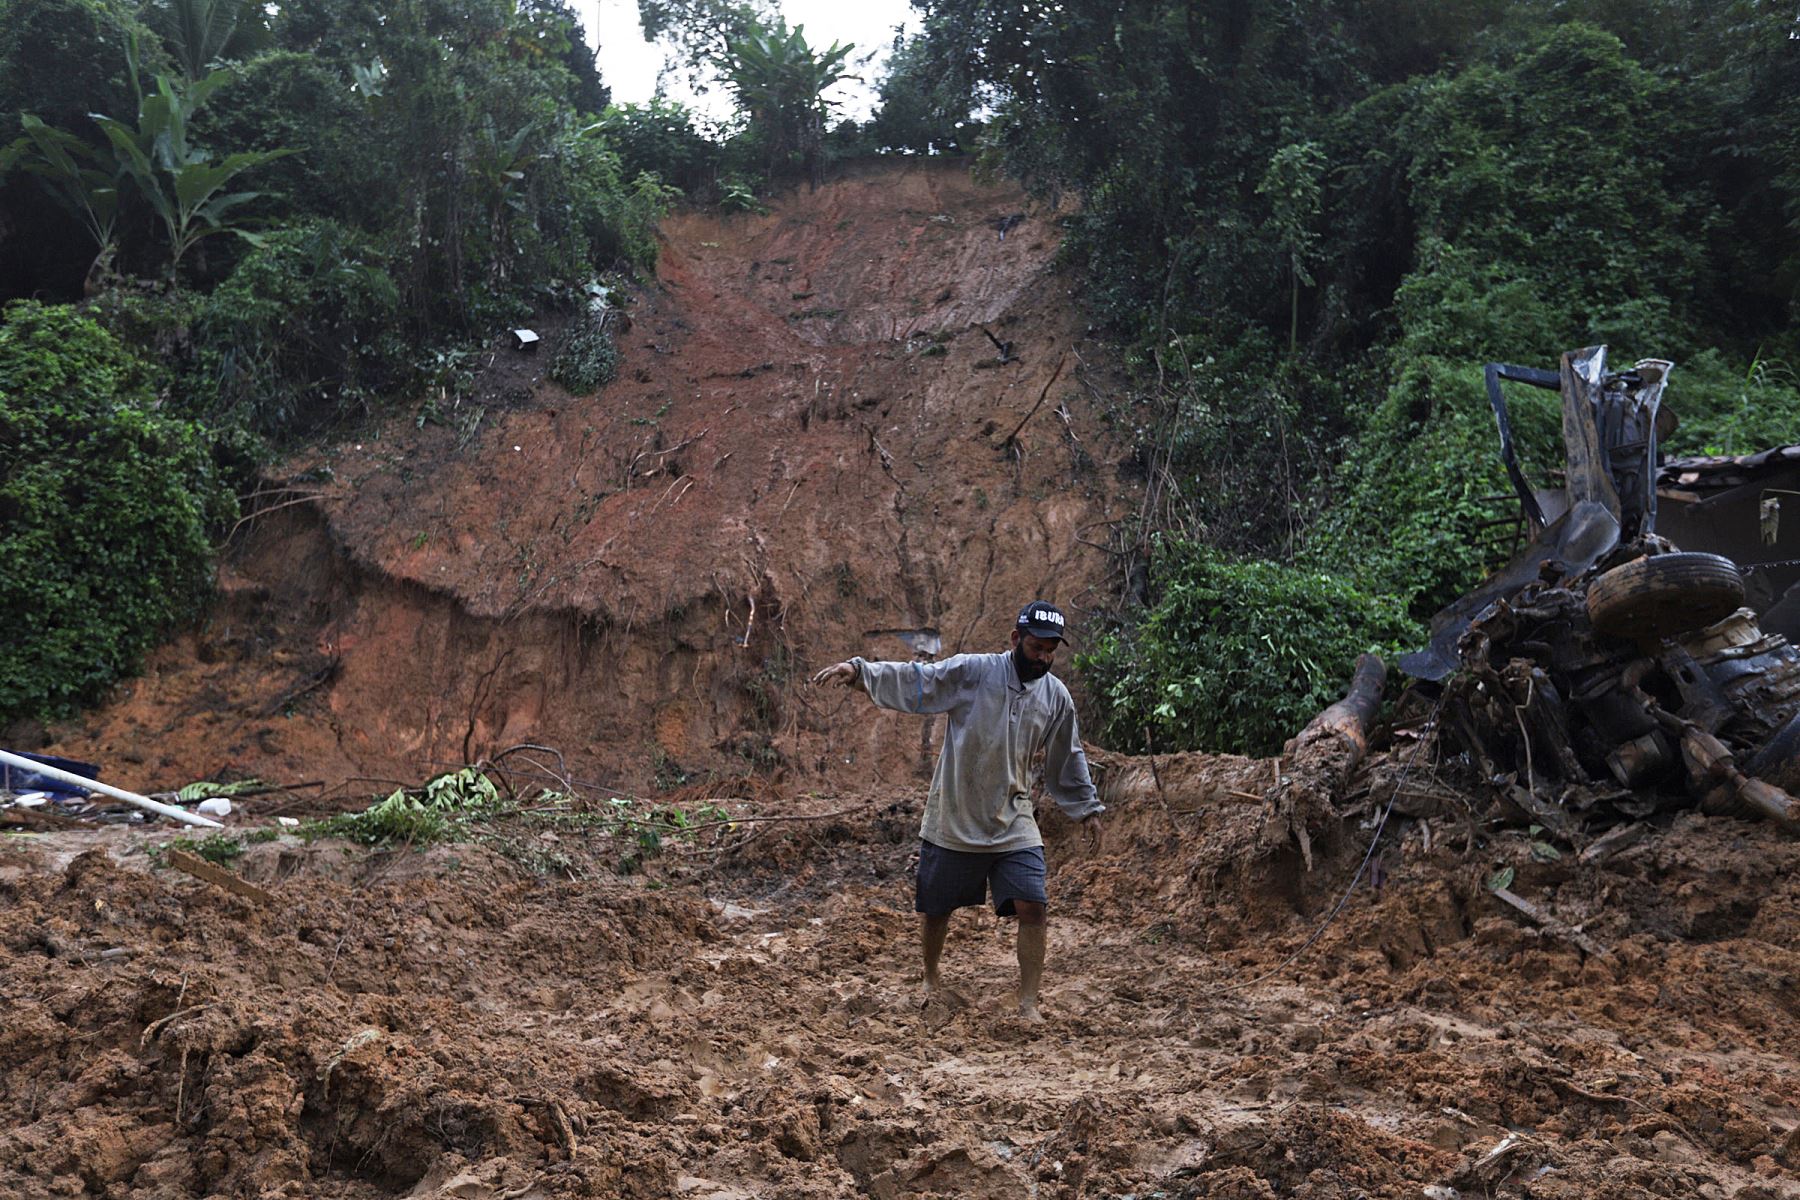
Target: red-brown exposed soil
[
  {"x": 447, "y": 1024},
  {"x": 521, "y": 1016},
  {"x": 804, "y": 454}
]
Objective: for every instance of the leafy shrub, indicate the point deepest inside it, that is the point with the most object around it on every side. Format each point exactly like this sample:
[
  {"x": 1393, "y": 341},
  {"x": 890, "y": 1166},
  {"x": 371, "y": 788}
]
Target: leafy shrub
[
  {"x": 1235, "y": 656},
  {"x": 1732, "y": 410},
  {"x": 222, "y": 849},
  {"x": 663, "y": 138},
  {"x": 401, "y": 818},
  {"x": 104, "y": 507},
  {"x": 737, "y": 194},
  {"x": 589, "y": 358},
  {"x": 1408, "y": 522},
  {"x": 303, "y": 329},
  {"x": 615, "y": 211},
  {"x": 418, "y": 816}
]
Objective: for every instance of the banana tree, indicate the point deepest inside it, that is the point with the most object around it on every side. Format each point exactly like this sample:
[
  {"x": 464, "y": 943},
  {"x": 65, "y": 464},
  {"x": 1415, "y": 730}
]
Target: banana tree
[
  {"x": 498, "y": 165},
  {"x": 77, "y": 174},
  {"x": 197, "y": 32},
  {"x": 180, "y": 181},
  {"x": 780, "y": 81}
]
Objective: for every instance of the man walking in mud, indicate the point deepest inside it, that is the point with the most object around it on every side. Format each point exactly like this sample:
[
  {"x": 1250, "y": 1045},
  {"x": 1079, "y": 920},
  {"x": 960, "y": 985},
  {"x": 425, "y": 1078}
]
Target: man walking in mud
[{"x": 979, "y": 835}]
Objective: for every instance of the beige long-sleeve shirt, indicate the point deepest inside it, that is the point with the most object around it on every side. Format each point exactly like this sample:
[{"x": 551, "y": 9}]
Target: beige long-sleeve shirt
[{"x": 981, "y": 792}]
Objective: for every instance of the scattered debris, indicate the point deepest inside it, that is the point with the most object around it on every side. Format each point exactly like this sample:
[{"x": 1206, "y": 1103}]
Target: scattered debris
[
  {"x": 1005, "y": 348},
  {"x": 1549, "y": 923},
  {"x": 1324, "y": 755},
  {"x": 199, "y": 868},
  {"x": 1606, "y": 674},
  {"x": 38, "y": 767},
  {"x": 1010, "y": 444}
]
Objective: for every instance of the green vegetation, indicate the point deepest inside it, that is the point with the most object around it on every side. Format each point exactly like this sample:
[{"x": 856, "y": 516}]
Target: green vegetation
[
  {"x": 418, "y": 817},
  {"x": 1309, "y": 224},
  {"x": 922, "y": 109},
  {"x": 105, "y": 500},
  {"x": 588, "y": 359},
  {"x": 667, "y": 139},
  {"x": 466, "y": 806},
  {"x": 220, "y": 849},
  {"x": 1235, "y": 656}
]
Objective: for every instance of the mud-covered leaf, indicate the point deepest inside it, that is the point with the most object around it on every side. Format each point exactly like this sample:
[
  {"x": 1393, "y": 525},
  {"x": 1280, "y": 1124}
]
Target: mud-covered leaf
[
  {"x": 205, "y": 789},
  {"x": 1544, "y": 852}
]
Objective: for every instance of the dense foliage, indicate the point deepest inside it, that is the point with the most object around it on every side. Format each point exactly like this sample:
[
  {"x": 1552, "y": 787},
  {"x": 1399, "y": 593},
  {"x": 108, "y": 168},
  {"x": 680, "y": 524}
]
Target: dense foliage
[
  {"x": 104, "y": 506},
  {"x": 922, "y": 110},
  {"x": 276, "y": 217},
  {"x": 1311, "y": 222},
  {"x": 1235, "y": 656},
  {"x": 1308, "y": 222}
]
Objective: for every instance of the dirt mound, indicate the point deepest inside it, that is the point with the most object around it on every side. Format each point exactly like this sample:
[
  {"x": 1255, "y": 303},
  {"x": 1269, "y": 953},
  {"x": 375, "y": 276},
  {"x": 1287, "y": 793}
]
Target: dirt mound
[
  {"x": 445, "y": 1024},
  {"x": 805, "y": 456}
]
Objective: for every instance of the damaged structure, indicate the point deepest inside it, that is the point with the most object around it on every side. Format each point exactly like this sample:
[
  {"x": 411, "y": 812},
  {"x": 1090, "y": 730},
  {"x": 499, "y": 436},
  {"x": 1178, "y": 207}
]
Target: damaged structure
[{"x": 1612, "y": 669}]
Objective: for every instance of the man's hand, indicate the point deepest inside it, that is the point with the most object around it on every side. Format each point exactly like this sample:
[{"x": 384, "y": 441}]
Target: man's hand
[
  {"x": 1096, "y": 835},
  {"x": 844, "y": 673}
]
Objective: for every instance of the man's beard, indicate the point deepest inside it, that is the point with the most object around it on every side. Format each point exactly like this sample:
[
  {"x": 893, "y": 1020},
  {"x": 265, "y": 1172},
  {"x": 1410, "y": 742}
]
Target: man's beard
[{"x": 1029, "y": 669}]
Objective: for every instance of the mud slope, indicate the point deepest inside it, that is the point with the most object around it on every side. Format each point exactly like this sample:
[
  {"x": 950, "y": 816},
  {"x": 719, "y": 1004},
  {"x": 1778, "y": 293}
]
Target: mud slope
[
  {"x": 742, "y": 1023},
  {"x": 805, "y": 452}
]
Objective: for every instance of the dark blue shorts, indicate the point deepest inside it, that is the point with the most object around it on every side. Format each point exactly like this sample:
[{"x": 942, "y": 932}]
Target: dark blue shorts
[{"x": 953, "y": 879}]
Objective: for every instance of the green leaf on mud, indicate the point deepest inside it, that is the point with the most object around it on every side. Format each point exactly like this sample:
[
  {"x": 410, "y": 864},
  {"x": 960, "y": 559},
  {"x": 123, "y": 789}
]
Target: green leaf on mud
[{"x": 1501, "y": 879}]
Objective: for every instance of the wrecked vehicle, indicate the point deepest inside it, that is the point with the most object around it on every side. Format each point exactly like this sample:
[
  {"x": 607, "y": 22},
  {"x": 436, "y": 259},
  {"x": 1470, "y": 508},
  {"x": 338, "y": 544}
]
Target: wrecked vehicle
[{"x": 1605, "y": 670}]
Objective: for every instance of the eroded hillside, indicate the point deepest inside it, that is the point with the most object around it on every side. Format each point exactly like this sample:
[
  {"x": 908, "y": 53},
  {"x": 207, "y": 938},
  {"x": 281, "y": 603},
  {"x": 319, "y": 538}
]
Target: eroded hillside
[{"x": 805, "y": 456}]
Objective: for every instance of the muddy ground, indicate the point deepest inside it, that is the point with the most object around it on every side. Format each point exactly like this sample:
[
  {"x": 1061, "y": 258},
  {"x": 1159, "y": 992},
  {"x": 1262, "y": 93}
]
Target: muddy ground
[
  {"x": 453, "y": 1023},
  {"x": 811, "y": 418}
]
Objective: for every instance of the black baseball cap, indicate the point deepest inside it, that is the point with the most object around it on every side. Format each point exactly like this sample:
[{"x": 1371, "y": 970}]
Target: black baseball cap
[{"x": 1042, "y": 619}]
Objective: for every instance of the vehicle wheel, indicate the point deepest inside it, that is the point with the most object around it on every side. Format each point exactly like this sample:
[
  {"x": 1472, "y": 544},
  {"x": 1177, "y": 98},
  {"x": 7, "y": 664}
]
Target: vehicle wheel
[{"x": 1664, "y": 595}]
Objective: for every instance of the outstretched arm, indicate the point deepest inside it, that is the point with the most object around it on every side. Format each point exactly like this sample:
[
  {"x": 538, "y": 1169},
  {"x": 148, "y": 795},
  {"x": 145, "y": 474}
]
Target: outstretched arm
[
  {"x": 911, "y": 687},
  {"x": 1066, "y": 778}
]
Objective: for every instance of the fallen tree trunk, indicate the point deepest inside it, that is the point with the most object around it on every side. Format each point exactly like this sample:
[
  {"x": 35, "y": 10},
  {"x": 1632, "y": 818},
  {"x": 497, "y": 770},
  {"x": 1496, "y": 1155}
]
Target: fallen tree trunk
[
  {"x": 1334, "y": 742},
  {"x": 1297, "y": 792},
  {"x": 1320, "y": 761}
]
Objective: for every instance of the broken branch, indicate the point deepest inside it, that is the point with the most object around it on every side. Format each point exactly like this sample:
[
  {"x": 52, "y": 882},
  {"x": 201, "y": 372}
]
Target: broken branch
[
  {"x": 1550, "y": 923},
  {"x": 1014, "y": 435}
]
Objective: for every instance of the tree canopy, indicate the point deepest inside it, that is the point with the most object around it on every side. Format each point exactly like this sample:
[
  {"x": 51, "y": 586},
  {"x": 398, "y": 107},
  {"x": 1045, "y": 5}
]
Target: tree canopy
[
  {"x": 1306, "y": 223},
  {"x": 272, "y": 218},
  {"x": 1311, "y": 222}
]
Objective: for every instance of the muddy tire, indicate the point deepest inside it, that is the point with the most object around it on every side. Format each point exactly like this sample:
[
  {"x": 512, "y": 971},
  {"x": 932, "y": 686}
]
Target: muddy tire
[{"x": 1664, "y": 595}]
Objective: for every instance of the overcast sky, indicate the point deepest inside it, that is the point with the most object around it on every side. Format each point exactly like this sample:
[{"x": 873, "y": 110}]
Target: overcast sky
[{"x": 629, "y": 65}]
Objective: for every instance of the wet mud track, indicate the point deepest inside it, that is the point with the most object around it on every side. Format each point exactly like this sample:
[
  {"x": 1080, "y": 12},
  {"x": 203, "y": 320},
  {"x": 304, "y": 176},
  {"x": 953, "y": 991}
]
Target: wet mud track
[{"x": 442, "y": 1023}]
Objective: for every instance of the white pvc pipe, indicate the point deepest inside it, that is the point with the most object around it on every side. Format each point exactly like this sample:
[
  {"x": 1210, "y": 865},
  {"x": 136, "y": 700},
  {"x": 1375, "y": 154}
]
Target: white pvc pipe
[{"x": 92, "y": 785}]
